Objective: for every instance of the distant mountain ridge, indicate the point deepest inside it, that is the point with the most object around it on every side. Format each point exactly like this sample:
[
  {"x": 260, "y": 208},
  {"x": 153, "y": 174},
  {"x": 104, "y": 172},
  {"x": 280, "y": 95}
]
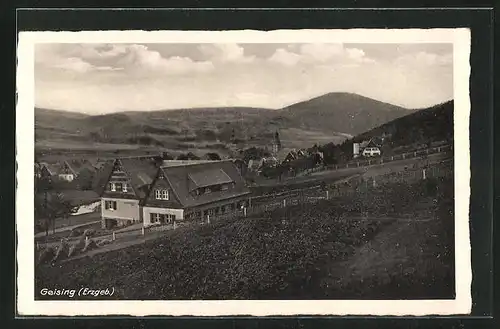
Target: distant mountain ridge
[{"x": 335, "y": 114}]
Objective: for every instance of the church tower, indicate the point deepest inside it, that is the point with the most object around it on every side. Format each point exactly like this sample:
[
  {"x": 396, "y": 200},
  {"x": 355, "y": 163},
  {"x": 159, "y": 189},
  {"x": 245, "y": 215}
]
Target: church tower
[{"x": 276, "y": 145}]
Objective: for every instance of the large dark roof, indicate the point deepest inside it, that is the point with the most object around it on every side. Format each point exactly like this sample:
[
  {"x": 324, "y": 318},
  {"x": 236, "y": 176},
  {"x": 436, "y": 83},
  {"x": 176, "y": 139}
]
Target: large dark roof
[
  {"x": 142, "y": 171},
  {"x": 180, "y": 179},
  {"x": 78, "y": 165},
  {"x": 209, "y": 177},
  {"x": 101, "y": 177}
]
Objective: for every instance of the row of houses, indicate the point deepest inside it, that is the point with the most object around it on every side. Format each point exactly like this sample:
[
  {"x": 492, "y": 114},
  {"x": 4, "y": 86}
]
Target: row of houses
[
  {"x": 68, "y": 170},
  {"x": 283, "y": 156},
  {"x": 142, "y": 190}
]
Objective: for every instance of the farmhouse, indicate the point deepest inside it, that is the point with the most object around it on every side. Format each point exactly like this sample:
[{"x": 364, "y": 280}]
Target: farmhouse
[
  {"x": 126, "y": 187},
  {"x": 143, "y": 190},
  {"x": 195, "y": 192},
  {"x": 374, "y": 142}
]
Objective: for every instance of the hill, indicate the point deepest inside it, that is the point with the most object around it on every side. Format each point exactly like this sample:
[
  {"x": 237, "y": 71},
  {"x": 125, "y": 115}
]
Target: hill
[
  {"x": 419, "y": 129},
  {"x": 342, "y": 112},
  {"x": 329, "y": 118}
]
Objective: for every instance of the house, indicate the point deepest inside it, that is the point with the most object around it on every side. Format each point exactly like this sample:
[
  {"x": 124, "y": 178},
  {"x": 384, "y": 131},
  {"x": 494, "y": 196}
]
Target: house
[
  {"x": 194, "y": 192},
  {"x": 38, "y": 170},
  {"x": 254, "y": 165},
  {"x": 124, "y": 190},
  {"x": 372, "y": 142},
  {"x": 97, "y": 163},
  {"x": 288, "y": 155},
  {"x": 270, "y": 161},
  {"x": 50, "y": 170}
]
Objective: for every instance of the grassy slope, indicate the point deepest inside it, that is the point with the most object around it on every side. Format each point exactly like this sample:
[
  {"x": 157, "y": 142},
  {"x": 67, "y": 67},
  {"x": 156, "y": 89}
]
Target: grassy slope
[
  {"x": 294, "y": 253},
  {"x": 343, "y": 112},
  {"x": 430, "y": 124}
]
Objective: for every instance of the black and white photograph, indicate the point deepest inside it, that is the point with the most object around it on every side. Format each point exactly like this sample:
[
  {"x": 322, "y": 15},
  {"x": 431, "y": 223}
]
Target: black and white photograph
[{"x": 244, "y": 172}]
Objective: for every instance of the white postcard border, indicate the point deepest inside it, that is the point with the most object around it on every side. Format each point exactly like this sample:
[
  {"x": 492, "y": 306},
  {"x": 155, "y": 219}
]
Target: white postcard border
[{"x": 26, "y": 304}]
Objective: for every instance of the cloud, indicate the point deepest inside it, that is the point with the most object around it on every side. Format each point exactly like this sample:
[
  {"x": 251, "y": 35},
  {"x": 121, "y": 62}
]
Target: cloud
[
  {"x": 423, "y": 58},
  {"x": 226, "y": 52},
  {"x": 139, "y": 58},
  {"x": 319, "y": 54},
  {"x": 83, "y": 58},
  {"x": 284, "y": 57}
]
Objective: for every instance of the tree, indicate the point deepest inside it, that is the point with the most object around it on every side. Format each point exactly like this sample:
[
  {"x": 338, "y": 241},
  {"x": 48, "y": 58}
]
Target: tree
[
  {"x": 212, "y": 156},
  {"x": 167, "y": 156},
  {"x": 254, "y": 153},
  {"x": 188, "y": 156},
  {"x": 50, "y": 204}
]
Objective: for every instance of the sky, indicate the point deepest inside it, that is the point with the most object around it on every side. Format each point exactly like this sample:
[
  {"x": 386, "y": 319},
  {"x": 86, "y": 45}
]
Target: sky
[{"x": 106, "y": 78}]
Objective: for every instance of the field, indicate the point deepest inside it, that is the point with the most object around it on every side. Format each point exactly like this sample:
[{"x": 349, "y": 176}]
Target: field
[{"x": 395, "y": 241}]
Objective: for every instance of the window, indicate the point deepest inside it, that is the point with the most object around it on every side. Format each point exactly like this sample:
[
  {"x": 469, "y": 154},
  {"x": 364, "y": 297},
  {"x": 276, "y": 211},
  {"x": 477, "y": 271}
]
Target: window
[
  {"x": 155, "y": 218},
  {"x": 211, "y": 212},
  {"x": 224, "y": 187},
  {"x": 207, "y": 190},
  {"x": 161, "y": 194},
  {"x": 110, "y": 205},
  {"x": 161, "y": 218},
  {"x": 112, "y": 187},
  {"x": 169, "y": 218},
  {"x": 164, "y": 194},
  {"x": 119, "y": 186},
  {"x": 125, "y": 187}
]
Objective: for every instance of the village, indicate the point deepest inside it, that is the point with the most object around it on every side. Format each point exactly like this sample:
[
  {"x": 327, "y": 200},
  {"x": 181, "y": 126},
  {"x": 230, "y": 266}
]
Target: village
[{"x": 84, "y": 204}]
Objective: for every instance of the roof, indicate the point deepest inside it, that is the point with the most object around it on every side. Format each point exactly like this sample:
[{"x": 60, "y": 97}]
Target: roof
[
  {"x": 52, "y": 168},
  {"x": 141, "y": 171},
  {"x": 168, "y": 163},
  {"x": 179, "y": 178},
  {"x": 97, "y": 163},
  {"x": 209, "y": 177},
  {"x": 373, "y": 142},
  {"x": 101, "y": 176},
  {"x": 284, "y": 152},
  {"x": 78, "y": 166},
  {"x": 78, "y": 197}
]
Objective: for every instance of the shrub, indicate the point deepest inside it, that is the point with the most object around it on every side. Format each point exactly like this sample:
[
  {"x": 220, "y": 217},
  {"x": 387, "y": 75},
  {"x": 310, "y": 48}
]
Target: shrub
[
  {"x": 72, "y": 250},
  {"x": 89, "y": 245},
  {"x": 45, "y": 255},
  {"x": 61, "y": 251},
  {"x": 89, "y": 232},
  {"x": 103, "y": 242},
  {"x": 74, "y": 233}
]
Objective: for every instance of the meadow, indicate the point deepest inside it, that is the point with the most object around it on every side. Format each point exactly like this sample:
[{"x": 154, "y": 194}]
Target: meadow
[{"x": 393, "y": 241}]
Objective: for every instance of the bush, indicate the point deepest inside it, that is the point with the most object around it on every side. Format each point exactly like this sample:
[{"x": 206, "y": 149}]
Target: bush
[
  {"x": 103, "y": 242},
  {"x": 89, "y": 245},
  {"x": 72, "y": 250},
  {"x": 45, "y": 255},
  {"x": 61, "y": 251},
  {"x": 89, "y": 232},
  {"x": 75, "y": 232}
]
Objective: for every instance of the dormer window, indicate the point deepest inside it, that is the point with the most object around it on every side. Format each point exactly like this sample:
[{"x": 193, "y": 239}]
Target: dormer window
[
  {"x": 112, "y": 187},
  {"x": 125, "y": 188},
  {"x": 119, "y": 186},
  {"x": 161, "y": 194}
]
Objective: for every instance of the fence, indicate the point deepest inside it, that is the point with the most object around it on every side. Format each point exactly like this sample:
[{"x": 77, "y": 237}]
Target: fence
[
  {"x": 349, "y": 186},
  {"x": 339, "y": 189},
  {"x": 385, "y": 159}
]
